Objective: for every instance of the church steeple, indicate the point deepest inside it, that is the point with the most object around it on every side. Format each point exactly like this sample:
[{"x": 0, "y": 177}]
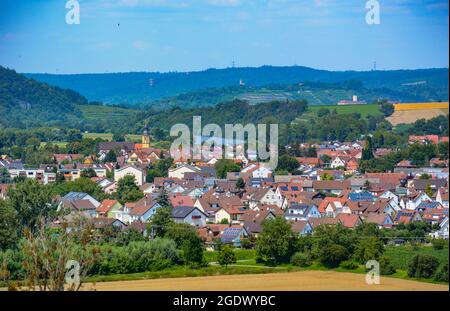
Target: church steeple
[{"x": 145, "y": 138}]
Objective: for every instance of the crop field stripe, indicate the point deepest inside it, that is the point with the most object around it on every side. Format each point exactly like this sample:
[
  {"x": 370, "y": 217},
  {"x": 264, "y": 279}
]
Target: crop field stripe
[{"x": 419, "y": 106}]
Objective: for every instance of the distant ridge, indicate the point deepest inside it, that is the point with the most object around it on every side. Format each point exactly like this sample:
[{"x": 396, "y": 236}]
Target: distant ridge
[{"x": 137, "y": 87}]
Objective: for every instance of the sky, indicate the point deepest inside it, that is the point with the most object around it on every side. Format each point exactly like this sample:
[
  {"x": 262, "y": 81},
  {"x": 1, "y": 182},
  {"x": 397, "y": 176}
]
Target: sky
[{"x": 191, "y": 35}]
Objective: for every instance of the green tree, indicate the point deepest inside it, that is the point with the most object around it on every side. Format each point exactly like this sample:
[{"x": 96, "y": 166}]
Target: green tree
[
  {"x": 423, "y": 266},
  {"x": 224, "y": 166},
  {"x": 226, "y": 256},
  {"x": 127, "y": 190},
  {"x": 160, "y": 221},
  {"x": 88, "y": 173},
  {"x": 240, "y": 183},
  {"x": 368, "y": 248},
  {"x": 288, "y": 163},
  {"x": 32, "y": 202},
  {"x": 9, "y": 234},
  {"x": 110, "y": 157},
  {"x": 276, "y": 241}
]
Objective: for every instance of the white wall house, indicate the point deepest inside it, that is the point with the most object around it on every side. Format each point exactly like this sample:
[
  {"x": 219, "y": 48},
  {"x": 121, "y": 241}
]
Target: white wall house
[{"x": 130, "y": 170}]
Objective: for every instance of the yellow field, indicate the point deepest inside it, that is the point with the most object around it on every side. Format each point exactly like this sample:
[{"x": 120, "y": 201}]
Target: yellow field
[
  {"x": 296, "y": 281},
  {"x": 420, "y": 106},
  {"x": 411, "y": 116}
]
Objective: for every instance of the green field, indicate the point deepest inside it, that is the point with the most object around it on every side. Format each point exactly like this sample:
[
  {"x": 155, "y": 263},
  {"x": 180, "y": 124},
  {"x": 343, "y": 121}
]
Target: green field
[
  {"x": 109, "y": 136},
  {"x": 364, "y": 110},
  {"x": 400, "y": 256}
]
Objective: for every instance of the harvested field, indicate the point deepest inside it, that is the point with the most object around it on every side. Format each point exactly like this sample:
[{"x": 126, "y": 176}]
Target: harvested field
[
  {"x": 411, "y": 116},
  {"x": 297, "y": 281}
]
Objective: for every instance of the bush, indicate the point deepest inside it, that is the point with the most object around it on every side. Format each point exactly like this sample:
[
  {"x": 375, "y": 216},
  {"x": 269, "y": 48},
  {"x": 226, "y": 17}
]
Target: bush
[
  {"x": 386, "y": 267},
  {"x": 332, "y": 255},
  {"x": 349, "y": 265},
  {"x": 301, "y": 259},
  {"x": 369, "y": 249},
  {"x": 423, "y": 266},
  {"x": 136, "y": 257},
  {"x": 442, "y": 274},
  {"x": 438, "y": 244},
  {"x": 226, "y": 256}
]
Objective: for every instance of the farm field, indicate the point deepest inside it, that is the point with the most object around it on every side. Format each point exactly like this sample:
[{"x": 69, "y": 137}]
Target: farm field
[
  {"x": 297, "y": 281},
  {"x": 364, "y": 110},
  {"x": 411, "y": 116},
  {"x": 109, "y": 136}
]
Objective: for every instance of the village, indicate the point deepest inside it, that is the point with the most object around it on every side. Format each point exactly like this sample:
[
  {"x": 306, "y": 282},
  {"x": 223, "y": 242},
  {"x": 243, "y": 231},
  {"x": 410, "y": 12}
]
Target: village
[{"x": 328, "y": 189}]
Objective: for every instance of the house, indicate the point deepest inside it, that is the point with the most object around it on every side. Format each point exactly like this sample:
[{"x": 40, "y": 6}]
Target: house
[
  {"x": 309, "y": 161},
  {"x": 442, "y": 197},
  {"x": 257, "y": 171},
  {"x": 189, "y": 215},
  {"x": 124, "y": 147},
  {"x": 234, "y": 235},
  {"x": 406, "y": 217},
  {"x": 301, "y": 227},
  {"x": 67, "y": 158},
  {"x": 230, "y": 214},
  {"x": 108, "y": 208},
  {"x": 382, "y": 220},
  {"x": 361, "y": 196},
  {"x": 181, "y": 200},
  {"x": 330, "y": 207},
  {"x": 442, "y": 232},
  {"x": 324, "y": 221},
  {"x": 102, "y": 223},
  {"x": 413, "y": 200},
  {"x": 335, "y": 187},
  {"x": 349, "y": 220},
  {"x": 178, "y": 172},
  {"x": 80, "y": 207},
  {"x": 143, "y": 210},
  {"x": 77, "y": 196},
  {"x": 297, "y": 212},
  {"x": 130, "y": 170}
]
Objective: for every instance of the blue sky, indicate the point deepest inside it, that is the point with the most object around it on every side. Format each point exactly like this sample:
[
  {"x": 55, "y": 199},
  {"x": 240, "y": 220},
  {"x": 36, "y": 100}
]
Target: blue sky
[{"x": 187, "y": 35}]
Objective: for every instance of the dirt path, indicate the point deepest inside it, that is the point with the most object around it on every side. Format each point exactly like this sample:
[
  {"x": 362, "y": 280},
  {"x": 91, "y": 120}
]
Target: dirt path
[{"x": 297, "y": 281}]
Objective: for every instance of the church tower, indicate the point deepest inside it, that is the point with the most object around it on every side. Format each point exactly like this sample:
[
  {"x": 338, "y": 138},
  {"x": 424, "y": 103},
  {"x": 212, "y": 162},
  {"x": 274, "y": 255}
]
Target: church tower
[{"x": 145, "y": 138}]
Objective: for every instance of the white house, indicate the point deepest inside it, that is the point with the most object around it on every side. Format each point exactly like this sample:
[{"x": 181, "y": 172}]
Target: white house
[
  {"x": 130, "y": 170},
  {"x": 178, "y": 172},
  {"x": 189, "y": 215}
]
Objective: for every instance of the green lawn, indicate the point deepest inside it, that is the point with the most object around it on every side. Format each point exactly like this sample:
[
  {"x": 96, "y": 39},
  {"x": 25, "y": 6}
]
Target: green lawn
[{"x": 364, "y": 110}]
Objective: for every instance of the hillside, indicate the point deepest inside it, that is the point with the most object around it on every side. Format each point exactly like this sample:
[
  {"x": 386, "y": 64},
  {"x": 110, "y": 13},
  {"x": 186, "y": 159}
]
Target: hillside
[
  {"x": 141, "y": 87},
  {"x": 26, "y": 103},
  {"x": 316, "y": 93}
]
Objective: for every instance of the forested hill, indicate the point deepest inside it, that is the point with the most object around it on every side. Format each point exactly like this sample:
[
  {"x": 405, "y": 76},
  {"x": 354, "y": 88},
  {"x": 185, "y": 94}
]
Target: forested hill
[
  {"x": 25, "y": 102},
  {"x": 133, "y": 88}
]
